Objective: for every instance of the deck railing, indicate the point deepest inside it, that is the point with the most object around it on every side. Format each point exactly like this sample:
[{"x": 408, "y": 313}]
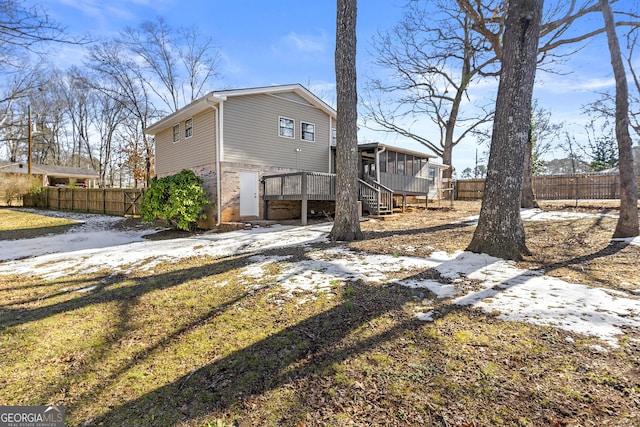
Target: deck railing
[
  {"x": 299, "y": 186},
  {"x": 375, "y": 197},
  {"x": 404, "y": 184}
]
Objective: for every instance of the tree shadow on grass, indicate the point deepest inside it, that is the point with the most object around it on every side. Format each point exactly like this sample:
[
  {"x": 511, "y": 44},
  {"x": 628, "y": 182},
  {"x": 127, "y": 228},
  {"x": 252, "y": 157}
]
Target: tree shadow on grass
[
  {"x": 301, "y": 350},
  {"x": 613, "y": 248},
  {"x": 304, "y": 350}
]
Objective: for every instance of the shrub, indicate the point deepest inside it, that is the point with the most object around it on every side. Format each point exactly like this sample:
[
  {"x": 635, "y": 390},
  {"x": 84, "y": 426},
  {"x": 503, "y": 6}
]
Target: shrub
[
  {"x": 178, "y": 199},
  {"x": 15, "y": 186}
]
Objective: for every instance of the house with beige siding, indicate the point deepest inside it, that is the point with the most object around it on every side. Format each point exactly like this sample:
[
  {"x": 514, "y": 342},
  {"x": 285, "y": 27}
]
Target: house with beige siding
[{"x": 257, "y": 150}]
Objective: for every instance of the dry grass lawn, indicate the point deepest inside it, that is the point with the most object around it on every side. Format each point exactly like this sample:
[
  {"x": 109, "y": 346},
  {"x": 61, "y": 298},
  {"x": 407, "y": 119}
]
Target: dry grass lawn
[{"x": 192, "y": 344}]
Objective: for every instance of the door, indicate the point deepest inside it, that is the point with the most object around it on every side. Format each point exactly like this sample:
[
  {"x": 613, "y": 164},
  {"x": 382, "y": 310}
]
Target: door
[{"x": 248, "y": 194}]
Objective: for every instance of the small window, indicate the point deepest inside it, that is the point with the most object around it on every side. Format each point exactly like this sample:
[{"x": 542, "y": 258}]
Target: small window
[
  {"x": 287, "y": 129},
  {"x": 383, "y": 161},
  {"x": 308, "y": 131},
  {"x": 400, "y": 166},
  {"x": 432, "y": 175},
  {"x": 391, "y": 162},
  {"x": 188, "y": 128},
  {"x": 176, "y": 133},
  {"x": 334, "y": 136}
]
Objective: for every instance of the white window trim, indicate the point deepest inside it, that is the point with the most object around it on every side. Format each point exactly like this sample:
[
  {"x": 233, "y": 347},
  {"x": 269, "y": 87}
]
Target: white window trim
[
  {"x": 173, "y": 133},
  {"x": 185, "y": 128},
  {"x": 302, "y": 133},
  {"x": 280, "y": 128}
]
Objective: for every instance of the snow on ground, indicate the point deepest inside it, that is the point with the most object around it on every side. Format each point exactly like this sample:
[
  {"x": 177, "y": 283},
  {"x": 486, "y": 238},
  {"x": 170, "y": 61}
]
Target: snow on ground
[{"x": 517, "y": 294}]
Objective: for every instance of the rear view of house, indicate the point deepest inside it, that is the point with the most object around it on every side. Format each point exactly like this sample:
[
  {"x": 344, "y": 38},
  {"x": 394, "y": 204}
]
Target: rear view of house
[{"x": 240, "y": 141}]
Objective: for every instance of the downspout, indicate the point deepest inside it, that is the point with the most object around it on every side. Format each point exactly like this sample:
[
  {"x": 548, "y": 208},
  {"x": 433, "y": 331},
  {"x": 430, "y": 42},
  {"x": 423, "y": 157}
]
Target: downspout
[
  {"x": 330, "y": 142},
  {"x": 219, "y": 150},
  {"x": 378, "y": 151}
]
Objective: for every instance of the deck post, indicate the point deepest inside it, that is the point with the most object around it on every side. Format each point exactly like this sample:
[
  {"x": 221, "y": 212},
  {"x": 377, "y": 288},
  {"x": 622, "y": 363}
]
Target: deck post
[
  {"x": 265, "y": 201},
  {"x": 303, "y": 208}
]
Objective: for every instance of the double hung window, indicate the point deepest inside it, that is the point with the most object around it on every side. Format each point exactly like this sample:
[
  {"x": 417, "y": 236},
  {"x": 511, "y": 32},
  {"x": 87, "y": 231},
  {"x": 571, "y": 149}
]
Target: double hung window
[
  {"x": 188, "y": 128},
  {"x": 308, "y": 132},
  {"x": 287, "y": 128}
]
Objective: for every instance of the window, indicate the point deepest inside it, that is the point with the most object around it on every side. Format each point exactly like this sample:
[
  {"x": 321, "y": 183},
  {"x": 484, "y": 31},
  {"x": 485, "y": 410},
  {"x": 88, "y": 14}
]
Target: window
[
  {"x": 400, "y": 166},
  {"x": 408, "y": 169},
  {"x": 391, "y": 162},
  {"x": 334, "y": 136},
  {"x": 383, "y": 161},
  {"x": 423, "y": 168},
  {"x": 287, "y": 127},
  {"x": 188, "y": 128},
  {"x": 432, "y": 175},
  {"x": 308, "y": 131},
  {"x": 176, "y": 133}
]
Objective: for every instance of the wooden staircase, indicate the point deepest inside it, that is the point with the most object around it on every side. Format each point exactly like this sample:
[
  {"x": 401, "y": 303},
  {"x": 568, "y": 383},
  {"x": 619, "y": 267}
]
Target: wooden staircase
[{"x": 375, "y": 197}]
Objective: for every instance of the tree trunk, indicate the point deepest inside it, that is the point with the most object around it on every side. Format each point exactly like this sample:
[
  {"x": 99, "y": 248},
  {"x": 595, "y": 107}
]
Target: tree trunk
[
  {"x": 528, "y": 199},
  {"x": 346, "y": 224},
  {"x": 627, "y": 225},
  {"x": 500, "y": 231},
  {"x": 447, "y": 157}
]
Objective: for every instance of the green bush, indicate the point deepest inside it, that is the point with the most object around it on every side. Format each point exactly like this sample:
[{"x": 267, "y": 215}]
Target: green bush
[{"x": 178, "y": 199}]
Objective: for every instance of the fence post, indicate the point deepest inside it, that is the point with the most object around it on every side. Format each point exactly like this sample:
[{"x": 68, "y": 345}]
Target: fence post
[{"x": 303, "y": 208}]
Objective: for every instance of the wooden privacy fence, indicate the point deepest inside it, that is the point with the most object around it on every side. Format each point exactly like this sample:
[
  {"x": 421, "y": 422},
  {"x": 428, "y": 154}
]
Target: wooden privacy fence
[
  {"x": 112, "y": 201},
  {"x": 555, "y": 187}
]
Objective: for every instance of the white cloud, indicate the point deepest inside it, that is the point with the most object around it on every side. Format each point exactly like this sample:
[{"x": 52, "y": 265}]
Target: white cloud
[
  {"x": 573, "y": 83},
  {"x": 306, "y": 43}
]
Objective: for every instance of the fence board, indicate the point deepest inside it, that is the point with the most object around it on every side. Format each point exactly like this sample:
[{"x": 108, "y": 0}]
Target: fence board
[
  {"x": 110, "y": 201},
  {"x": 555, "y": 187}
]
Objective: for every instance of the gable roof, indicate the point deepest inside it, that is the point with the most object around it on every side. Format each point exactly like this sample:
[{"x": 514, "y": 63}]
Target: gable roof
[{"x": 215, "y": 98}]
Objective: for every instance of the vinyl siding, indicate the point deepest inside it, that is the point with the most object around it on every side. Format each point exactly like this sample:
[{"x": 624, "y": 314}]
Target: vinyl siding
[
  {"x": 251, "y": 132},
  {"x": 188, "y": 153}
]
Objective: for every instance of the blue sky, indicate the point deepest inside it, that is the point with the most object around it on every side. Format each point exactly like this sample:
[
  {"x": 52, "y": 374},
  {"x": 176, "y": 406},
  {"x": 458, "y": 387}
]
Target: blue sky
[{"x": 286, "y": 41}]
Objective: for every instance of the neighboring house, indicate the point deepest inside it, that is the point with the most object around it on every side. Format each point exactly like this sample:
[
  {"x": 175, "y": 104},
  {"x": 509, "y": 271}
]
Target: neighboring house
[
  {"x": 241, "y": 141},
  {"x": 54, "y": 175}
]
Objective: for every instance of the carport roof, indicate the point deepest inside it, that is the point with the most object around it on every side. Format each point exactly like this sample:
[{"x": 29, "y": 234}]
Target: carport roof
[{"x": 49, "y": 170}]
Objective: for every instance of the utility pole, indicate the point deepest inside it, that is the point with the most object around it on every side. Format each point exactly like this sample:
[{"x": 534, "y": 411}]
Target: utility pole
[{"x": 30, "y": 137}]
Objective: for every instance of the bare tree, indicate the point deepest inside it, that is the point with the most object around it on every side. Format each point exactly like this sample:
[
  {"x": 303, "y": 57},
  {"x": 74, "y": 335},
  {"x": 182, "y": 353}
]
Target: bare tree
[
  {"x": 78, "y": 96},
  {"x": 346, "y": 225},
  {"x": 500, "y": 231},
  {"x": 440, "y": 51},
  {"x": 527, "y": 196},
  {"x": 126, "y": 83},
  {"x": 25, "y": 33},
  {"x": 627, "y": 225},
  {"x": 542, "y": 135},
  {"x": 107, "y": 116},
  {"x": 25, "y": 29},
  {"x": 434, "y": 57},
  {"x": 178, "y": 63}
]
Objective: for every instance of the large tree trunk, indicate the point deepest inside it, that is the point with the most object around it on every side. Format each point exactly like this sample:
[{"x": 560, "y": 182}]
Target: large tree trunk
[
  {"x": 500, "y": 231},
  {"x": 346, "y": 225},
  {"x": 627, "y": 225}
]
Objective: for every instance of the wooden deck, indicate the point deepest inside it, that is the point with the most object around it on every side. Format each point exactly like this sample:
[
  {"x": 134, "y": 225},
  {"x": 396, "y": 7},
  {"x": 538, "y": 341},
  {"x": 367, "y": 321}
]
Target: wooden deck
[{"x": 304, "y": 186}]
